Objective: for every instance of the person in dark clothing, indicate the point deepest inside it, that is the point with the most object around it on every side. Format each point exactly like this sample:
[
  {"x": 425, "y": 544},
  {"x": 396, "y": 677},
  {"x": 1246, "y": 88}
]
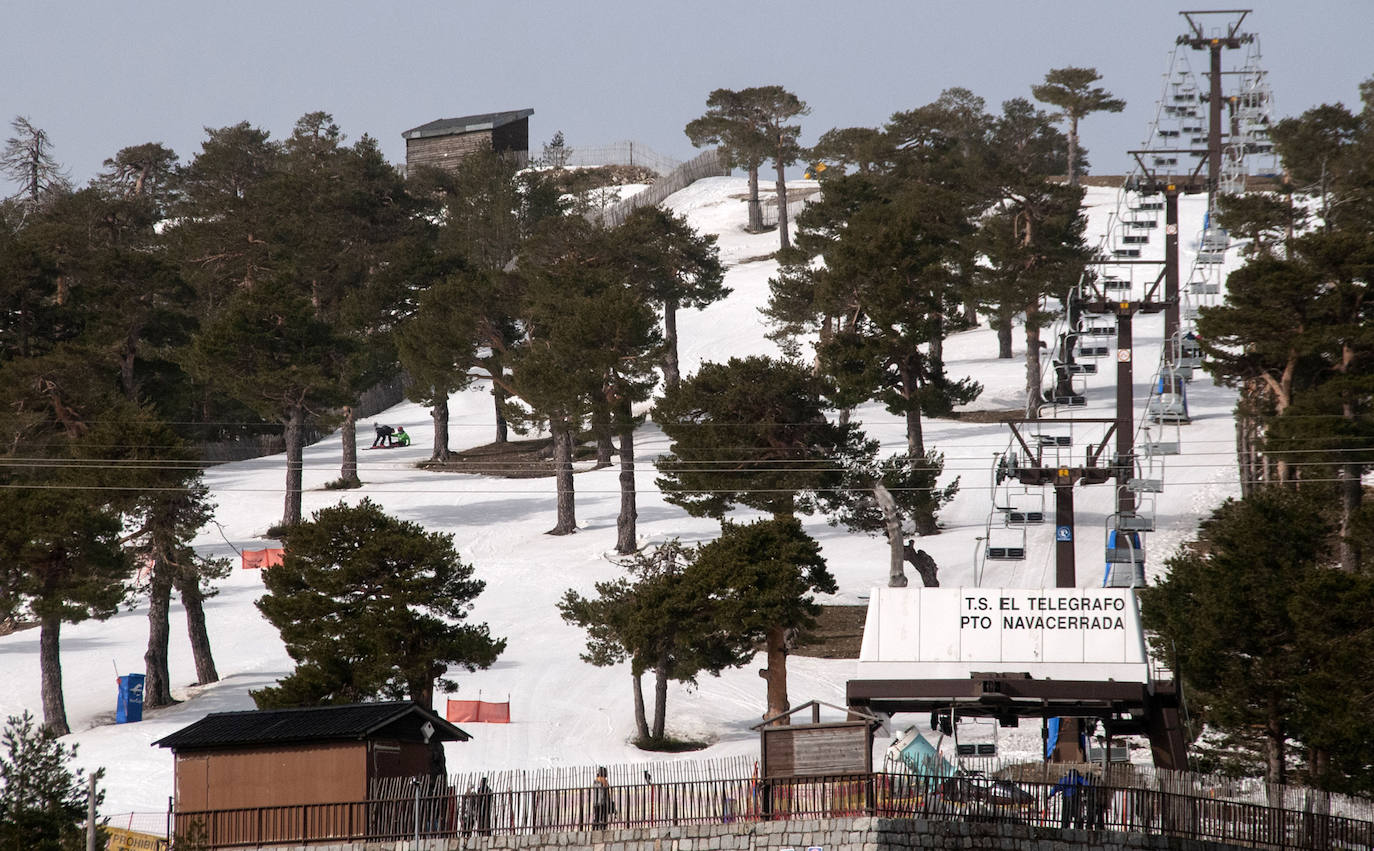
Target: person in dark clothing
[
  {"x": 483, "y": 814},
  {"x": 469, "y": 815},
  {"x": 1071, "y": 789},
  {"x": 1097, "y": 801},
  {"x": 383, "y": 438},
  {"x": 602, "y": 806}
]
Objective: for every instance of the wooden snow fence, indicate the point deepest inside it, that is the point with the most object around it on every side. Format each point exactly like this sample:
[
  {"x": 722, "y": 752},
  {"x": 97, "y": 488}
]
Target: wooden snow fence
[{"x": 708, "y": 163}]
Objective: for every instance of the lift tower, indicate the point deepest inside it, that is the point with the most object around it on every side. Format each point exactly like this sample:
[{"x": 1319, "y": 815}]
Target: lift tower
[{"x": 1214, "y": 42}]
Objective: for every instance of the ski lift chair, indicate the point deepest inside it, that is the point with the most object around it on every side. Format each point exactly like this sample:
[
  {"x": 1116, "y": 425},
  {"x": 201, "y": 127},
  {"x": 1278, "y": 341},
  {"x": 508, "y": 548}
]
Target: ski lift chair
[
  {"x": 1093, "y": 351},
  {"x": 1009, "y": 545},
  {"x": 1066, "y": 390},
  {"x": 1155, "y": 447},
  {"x": 1032, "y": 515},
  {"x": 1189, "y": 352},
  {"x": 1168, "y": 401},
  {"x": 1204, "y": 287},
  {"x": 1140, "y": 520},
  {"x": 1213, "y": 247},
  {"x": 1125, "y": 560}
]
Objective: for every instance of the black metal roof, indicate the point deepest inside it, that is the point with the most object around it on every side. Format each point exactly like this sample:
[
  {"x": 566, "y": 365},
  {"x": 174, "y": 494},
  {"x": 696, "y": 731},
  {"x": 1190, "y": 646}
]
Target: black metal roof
[
  {"x": 399, "y": 719},
  {"x": 466, "y": 124}
]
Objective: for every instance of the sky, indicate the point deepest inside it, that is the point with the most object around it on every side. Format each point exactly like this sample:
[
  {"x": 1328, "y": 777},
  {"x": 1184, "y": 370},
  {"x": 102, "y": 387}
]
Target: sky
[
  {"x": 566, "y": 713},
  {"x": 102, "y": 76}
]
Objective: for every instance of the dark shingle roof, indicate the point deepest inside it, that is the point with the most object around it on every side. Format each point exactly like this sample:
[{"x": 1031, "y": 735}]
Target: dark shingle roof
[
  {"x": 400, "y": 719},
  {"x": 466, "y": 124}
]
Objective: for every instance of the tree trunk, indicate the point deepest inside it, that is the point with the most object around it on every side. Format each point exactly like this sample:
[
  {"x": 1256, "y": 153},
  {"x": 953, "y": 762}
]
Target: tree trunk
[
  {"x": 127, "y": 359},
  {"x": 563, "y": 478},
  {"x": 937, "y": 342},
  {"x": 776, "y": 672},
  {"x": 784, "y": 238},
  {"x": 671, "y": 374},
  {"x": 50, "y": 663},
  {"x": 915, "y": 440},
  {"x": 1352, "y": 496},
  {"x": 1073, "y": 150},
  {"x": 1245, "y": 455},
  {"x": 641, "y": 723},
  {"x": 502, "y": 431},
  {"x": 295, "y": 445},
  {"x": 925, "y": 566},
  {"x": 348, "y": 472},
  {"x": 601, "y": 427},
  {"x": 157, "y": 688},
  {"x": 660, "y": 697},
  {"x": 892, "y": 521},
  {"x": 1003, "y": 324},
  {"x": 193, "y": 601},
  {"x": 970, "y": 313},
  {"x": 1275, "y": 758},
  {"x": 1033, "y": 397},
  {"x": 755, "y": 212},
  {"x": 626, "y": 541},
  {"x": 438, "y": 412}
]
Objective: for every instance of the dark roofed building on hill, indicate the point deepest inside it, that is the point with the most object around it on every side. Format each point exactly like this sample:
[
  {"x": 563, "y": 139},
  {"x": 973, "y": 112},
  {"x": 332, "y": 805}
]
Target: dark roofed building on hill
[
  {"x": 289, "y": 757},
  {"x": 445, "y": 142}
]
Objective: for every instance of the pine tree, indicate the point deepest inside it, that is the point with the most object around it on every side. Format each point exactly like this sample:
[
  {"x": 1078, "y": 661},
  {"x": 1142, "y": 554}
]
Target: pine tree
[
  {"x": 674, "y": 267},
  {"x": 268, "y": 348},
  {"x": 1224, "y": 615},
  {"x": 754, "y": 432},
  {"x": 894, "y": 237},
  {"x": 590, "y": 340},
  {"x": 436, "y": 343},
  {"x": 1331, "y": 723},
  {"x": 370, "y": 606},
  {"x": 167, "y": 519},
  {"x": 1032, "y": 239},
  {"x": 1072, "y": 90},
  {"x": 486, "y": 207},
  {"x": 766, "y": 573},
  {"x": 732, "y": 121},
  {"x": 659, "y": 620},
  {"x": 43, "y": 800},
  {"x": 244, "y": 236}
]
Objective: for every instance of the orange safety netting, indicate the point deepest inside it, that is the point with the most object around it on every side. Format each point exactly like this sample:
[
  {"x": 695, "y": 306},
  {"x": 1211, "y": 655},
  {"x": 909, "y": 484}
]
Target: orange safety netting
[
  {"x": 472, "y": 711},
  {"x": 254, "y": 559}
]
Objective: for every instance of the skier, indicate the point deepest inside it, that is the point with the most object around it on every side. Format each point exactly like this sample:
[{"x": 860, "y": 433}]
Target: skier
[{"x": 383, "y": 438}]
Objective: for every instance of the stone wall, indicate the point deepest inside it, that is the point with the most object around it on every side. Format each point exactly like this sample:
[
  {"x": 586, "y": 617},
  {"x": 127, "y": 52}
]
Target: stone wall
[{"x": 856, "y": 834}]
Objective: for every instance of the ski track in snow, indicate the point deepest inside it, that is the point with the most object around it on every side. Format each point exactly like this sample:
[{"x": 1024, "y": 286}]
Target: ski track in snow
[{"x": 564, "y": 711}]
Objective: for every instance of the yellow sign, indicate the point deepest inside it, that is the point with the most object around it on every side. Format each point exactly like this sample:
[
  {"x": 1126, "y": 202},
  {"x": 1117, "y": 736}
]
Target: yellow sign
[{"x": 132, "y": 840}]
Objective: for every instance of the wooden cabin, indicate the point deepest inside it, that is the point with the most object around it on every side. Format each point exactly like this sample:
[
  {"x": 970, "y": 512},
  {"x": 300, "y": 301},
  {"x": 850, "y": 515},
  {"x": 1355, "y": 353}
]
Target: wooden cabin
[
  {"x": 313, "y": 755},
  {"x": 443, "y": 143}
]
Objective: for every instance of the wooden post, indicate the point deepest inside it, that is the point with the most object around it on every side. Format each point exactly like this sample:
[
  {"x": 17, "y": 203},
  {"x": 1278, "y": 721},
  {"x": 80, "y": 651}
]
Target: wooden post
[{"x": 90, "y": 813}]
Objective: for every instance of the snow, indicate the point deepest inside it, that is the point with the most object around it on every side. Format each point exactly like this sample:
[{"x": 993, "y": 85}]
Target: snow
[{"x": 566, "y": 712}]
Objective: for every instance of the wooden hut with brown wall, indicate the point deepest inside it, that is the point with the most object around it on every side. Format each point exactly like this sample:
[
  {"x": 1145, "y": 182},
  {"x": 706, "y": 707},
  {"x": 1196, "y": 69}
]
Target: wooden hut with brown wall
[
  {"x": 326, "y": 755},
  {"x": 445, "y": 142}
]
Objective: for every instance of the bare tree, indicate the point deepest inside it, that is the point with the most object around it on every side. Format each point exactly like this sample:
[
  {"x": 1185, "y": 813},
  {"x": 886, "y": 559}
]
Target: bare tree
[{"x": 27, "y": 159}]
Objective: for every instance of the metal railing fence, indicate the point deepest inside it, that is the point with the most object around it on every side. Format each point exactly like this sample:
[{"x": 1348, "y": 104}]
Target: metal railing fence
[{"x": 902, "y": 796}]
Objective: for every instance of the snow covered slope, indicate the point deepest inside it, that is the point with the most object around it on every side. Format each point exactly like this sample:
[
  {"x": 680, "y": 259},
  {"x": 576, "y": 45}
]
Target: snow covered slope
[{"x": 564, "y": 711}]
